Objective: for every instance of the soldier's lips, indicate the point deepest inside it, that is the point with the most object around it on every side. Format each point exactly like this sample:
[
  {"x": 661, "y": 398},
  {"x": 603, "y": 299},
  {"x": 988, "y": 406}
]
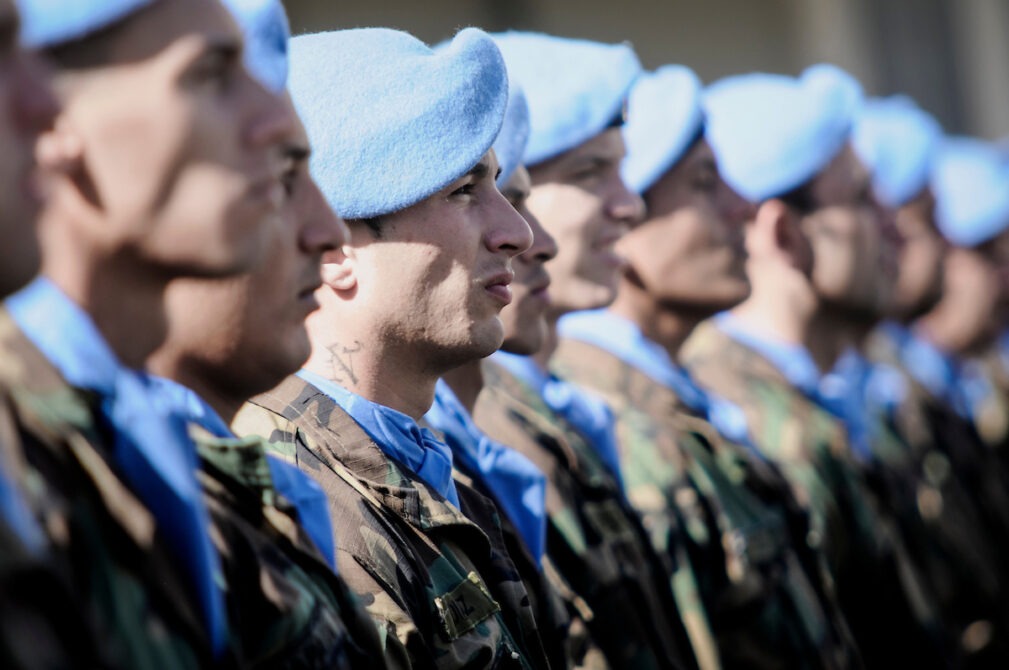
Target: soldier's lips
[
  {"x": 500, "y": 292},
  {"x": 499, "y": 286},
  {"x": 538, "y": 285},
  {"x": 610, "y": 258}
]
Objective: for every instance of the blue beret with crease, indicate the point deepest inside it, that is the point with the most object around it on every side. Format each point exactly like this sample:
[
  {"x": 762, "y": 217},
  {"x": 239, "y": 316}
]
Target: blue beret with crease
[
  {"x": 391, "y": 120},
  {"x": 897, "y": 141},
  {"x": 575, "y": 88},
  {"x": 773, "y": 133},
  {"x": 970, "y": 180},
  {"x": 664, "y": 115}
]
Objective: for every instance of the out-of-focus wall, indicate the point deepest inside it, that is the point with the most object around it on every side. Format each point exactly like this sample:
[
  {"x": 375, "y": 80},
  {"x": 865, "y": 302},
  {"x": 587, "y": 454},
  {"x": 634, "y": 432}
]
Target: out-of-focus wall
[{"x": 950, "y": 55}]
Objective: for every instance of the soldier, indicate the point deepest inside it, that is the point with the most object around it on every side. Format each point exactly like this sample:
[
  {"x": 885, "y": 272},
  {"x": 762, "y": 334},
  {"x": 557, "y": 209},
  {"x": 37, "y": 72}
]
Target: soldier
[
  {"x": 783, "y": 144},
  {"x": 228, "y": 340},
  {"x": 971, "y": 212},
  {"x": 165, "y": 161},
  {"x": 912, "y": 434},
  {"x": 511, "y": 480},
  {"x": 401, "y": 146},
  {"x": 969, "y": 180},
  {"x": 594, "y": 537},
  {"x": 759, "y": 582},
  {"x": 40, "y": 624}
]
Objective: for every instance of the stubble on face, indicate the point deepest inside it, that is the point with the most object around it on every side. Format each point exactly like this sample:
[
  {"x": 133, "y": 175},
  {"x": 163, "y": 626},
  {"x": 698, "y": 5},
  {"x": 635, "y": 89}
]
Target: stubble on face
[
  {"x": 581, "y": 200},
  {"x": 177, "y": 164}
]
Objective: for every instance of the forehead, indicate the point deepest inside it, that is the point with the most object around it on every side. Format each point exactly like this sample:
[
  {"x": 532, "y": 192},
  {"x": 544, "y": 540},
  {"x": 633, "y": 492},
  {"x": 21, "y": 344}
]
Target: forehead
[
  {"x": 605, "y": 148},
  {"x": 169, "y": 23},
  {"x": 299, "y": 134},
  {"x": 842, "y": 181},
  {"x": 485, "y": 168},
  {"x": 518, "y": 183}
]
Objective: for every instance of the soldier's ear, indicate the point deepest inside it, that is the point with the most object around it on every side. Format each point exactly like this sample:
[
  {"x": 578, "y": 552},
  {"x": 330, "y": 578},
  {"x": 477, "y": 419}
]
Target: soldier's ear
[
  {"x": 59, "y": 151},
  {"x": 790, "y": 238},
  {"x": 339, "y": 269},
  {"x": 764, "y": 235}
]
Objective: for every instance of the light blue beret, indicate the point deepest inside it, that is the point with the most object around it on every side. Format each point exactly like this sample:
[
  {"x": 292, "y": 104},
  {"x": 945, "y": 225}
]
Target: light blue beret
[
  {"x": 514, "y": 136},
  {"x": 897, "y": 141},
  {"x": 266, "y": 30},
  {"x": 970, "y": 179},
  {"x": 772, "y": 133},
  {"x": 663, "y": 115},
  {"x": 391, "y": 121},
  {"x": 49, "y": 23},
  {"x": 575, "y": 88}
]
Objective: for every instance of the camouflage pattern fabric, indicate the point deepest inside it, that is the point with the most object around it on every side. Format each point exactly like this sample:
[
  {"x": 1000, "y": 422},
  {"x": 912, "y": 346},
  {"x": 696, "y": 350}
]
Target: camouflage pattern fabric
[
  {"x": 117, "y": 580},
  {"x": 879, "y": 585},
  {"x": 593, "y": 538},
  {"x": 948, "y": 485},
  {"x": 564, "y": 637},
  {"x": 760, "y": 583},
  {"x": 440, "y": 585},
  {"x": 286, "y": 607}
]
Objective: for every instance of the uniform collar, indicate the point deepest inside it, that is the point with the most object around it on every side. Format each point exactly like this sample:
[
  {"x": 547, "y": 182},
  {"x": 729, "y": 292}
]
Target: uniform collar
[
  {"x": 518, "y": 486},
  {"x": 65, "y": 334},
  {"x": 397, "y": 435}
]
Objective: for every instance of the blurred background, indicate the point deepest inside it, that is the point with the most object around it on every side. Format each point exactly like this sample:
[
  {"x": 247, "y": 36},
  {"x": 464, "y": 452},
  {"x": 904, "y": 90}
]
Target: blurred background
[{"x": 952, "y": 56}]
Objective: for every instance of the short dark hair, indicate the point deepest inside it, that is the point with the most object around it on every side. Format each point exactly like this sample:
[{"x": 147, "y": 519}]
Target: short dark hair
[
  {"x": 374, "y": 224},
  {"x": 800, "y": 198}
]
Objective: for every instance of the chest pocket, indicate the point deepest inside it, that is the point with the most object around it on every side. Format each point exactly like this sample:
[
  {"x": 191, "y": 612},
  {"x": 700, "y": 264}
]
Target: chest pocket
[{"x": 465, "y": 606}]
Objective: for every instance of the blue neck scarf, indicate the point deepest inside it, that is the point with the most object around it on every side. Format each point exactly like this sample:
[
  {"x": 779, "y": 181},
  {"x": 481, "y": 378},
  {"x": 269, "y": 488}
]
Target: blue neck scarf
[
  {"x": 298, "y": 488},
  {"x": 961, "y": 385},
  {"x": 152, "y": 449},
  {"x": 842, "y": 391},
  {"x": 397, "y": 435},
  {"x": 589, "y": 415},
  {"x": 518, "y": 486},
  {"x": 624, "y": 339}
]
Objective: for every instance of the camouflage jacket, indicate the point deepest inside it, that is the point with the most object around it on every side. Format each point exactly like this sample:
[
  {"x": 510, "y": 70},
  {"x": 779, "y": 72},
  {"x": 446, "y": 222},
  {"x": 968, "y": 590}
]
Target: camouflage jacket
[
  {"x": 286, "y": 606},
  {"x": 880, "y": 586},
  {"x": 113, "y": 573},
  {"x": 551, "y": 601},
  {"x": 955, "y": 495},
  {"x": 760, "y": 583},
  {"x": 440, "y": 585},
  {"x": 593, "y": 538}
]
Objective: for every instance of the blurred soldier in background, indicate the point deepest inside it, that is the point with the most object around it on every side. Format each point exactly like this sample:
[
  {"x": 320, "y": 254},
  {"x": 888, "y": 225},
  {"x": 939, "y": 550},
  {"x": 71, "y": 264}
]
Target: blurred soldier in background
[
  {"x": 228, "y": 340},
  {"x": 910, "y": 438},
  {"x": 784, "y": 144},
  {"x": 577, "y": 91},
  {"x": 760, "y": 583},
  {"x": 164, "y": 162},
  {"x": 40, "y": 623}
]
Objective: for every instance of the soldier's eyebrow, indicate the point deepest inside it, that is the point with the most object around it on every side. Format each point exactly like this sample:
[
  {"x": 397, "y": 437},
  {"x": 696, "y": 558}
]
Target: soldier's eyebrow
[
  {"x": 297, "y": 153},
  {"x": 707, "y": 164},
  {"x": 479, "y": 171}
]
